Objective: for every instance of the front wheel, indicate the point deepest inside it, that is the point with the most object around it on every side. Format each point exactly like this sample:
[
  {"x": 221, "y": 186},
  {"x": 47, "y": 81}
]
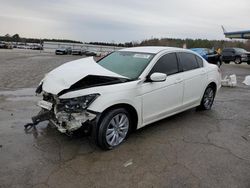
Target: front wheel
[
  {"x": 237, "y": 60},
  {"x": 207, "y": 99},
  {"x": 114, "y": 128}
]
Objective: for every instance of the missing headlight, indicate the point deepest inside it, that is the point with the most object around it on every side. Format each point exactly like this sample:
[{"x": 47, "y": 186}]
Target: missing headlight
[{"x": 78, "y": 104}]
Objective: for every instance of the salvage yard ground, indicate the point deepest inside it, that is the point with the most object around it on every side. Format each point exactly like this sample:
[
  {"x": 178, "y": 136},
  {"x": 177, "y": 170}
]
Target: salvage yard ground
[{"x": 191, "y": 149}]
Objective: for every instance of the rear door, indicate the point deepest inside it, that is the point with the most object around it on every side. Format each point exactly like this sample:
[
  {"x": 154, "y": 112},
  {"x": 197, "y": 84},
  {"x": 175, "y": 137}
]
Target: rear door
[
  {"x": 194, "y": 78},
  {"x": 228, "y": 55}
]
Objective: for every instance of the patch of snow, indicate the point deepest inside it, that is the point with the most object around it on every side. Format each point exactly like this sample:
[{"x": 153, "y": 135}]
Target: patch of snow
[
  {"x": 247, "y": 81},
  {"x": 229, "y": 81}
]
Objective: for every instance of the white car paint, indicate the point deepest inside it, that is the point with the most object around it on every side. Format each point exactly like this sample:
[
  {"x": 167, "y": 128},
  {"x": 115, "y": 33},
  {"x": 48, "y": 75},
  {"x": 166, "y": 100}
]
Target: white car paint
[
  {"x": 69, "y": 73},
  {"x": 151, "y": 100}
]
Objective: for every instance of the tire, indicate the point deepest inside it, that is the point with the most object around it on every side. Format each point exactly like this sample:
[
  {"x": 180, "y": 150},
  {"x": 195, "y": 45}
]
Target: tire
[
  {"x": 207, "y": 99},
  {"x": 114, "y": 128},
  {"x": 237, "y": 60},
  {"x": 226, "y": 62},
  {"x": 248, "y": 62}
]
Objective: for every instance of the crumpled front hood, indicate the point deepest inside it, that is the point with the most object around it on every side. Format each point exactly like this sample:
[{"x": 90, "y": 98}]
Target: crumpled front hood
[{"x": 69, "y": 73}]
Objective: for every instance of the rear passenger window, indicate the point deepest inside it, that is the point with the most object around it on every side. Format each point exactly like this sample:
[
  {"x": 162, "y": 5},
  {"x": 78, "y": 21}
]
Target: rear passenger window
[
  {"x": 166, "y": 64},
  {"x": 188, "y": 61},
  {"x": 200, "y": 61}
]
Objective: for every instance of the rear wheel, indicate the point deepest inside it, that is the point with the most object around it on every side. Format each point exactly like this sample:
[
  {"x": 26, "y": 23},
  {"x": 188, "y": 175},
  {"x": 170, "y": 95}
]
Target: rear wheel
[
  {"x": 226, "y": 62},
  {"x": 114, "y": 128},
  {"x": 208, "y": 98}
]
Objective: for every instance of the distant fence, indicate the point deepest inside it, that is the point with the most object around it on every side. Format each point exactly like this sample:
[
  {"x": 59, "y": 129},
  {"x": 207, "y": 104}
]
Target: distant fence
[{"x": 52, "y": 46}]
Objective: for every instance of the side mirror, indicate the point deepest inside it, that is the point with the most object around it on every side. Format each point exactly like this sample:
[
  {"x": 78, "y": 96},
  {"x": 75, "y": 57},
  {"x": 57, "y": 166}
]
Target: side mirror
[{"x": 157, "y": 77}]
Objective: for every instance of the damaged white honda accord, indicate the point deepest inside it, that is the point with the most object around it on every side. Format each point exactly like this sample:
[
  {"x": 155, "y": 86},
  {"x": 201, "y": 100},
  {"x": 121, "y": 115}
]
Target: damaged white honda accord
[{"x": 125, "y": 91}]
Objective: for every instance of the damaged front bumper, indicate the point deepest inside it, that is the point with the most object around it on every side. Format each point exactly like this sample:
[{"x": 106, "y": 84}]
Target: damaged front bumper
[{"x": 64, "y": 121}]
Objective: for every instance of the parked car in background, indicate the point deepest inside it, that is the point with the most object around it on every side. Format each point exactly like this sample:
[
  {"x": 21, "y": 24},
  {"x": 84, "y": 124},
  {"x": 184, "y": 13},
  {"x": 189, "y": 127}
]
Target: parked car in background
[
  {"x": 125, "y": 91},
  {"x": 2, "y": 45},
  {"x": 63, "y": 50},
  {"x": 5, "y": 45},
  {"x": 90, "y": 53},
  {"x": 78, "y": 51},
  {"x": 37, "y": 47},
  {"x": 208, "y": 54},
  {"x": 21, "y": 46},
  {"x": 238, "y": 55}
]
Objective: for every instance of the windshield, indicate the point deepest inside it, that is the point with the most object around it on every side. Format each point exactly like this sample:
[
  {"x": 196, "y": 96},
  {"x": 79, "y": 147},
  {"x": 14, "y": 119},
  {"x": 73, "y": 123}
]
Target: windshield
[{"x": 128, "y": 64}]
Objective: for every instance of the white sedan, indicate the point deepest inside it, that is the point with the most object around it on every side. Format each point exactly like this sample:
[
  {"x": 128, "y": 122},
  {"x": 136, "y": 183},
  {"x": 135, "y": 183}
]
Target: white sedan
[{"x": 125, "y": 91}]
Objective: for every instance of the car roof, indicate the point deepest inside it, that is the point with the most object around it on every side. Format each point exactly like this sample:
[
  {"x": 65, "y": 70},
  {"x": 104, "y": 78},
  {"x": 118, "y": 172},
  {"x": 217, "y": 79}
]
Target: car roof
[
  {"x": 199, "y": 49},
  {"x": 151, "y": 49},
  {"x": 232, "y": 48}
]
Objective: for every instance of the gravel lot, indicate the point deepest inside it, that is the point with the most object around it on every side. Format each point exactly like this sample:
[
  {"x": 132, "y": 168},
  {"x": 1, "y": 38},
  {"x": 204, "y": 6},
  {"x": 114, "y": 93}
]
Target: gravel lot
[{"x": 191, "y": 149}]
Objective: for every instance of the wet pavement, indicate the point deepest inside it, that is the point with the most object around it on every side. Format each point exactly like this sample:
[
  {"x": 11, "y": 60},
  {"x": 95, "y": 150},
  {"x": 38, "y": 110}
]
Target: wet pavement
[{"x": 191, "y": 149}]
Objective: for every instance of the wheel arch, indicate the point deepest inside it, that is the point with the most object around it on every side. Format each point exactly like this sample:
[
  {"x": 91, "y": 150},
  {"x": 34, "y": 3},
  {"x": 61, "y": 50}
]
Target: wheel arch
[
  {"x": 132, "y": 111},
  {"x": 213, "y": 85}
]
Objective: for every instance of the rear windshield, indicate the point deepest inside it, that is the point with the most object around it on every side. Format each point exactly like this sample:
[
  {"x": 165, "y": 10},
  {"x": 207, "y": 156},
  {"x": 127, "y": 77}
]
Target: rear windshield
[
  {"x": 240, "y": 50},
  {"x": 128, "y": 64}
]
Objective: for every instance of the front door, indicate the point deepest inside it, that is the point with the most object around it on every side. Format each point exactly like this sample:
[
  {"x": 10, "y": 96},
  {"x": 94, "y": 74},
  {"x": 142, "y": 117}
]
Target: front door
[{"x": 162, "y": 98}]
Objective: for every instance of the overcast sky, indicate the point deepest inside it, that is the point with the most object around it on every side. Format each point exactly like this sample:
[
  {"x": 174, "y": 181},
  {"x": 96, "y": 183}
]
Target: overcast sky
[{"x": 121, "y": 21}]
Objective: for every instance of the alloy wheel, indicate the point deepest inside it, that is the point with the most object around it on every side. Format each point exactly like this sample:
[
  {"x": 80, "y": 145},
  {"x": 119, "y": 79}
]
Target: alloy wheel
[
  {"x": 117, "y": 129},
  {"x": 208, "y": 98}
]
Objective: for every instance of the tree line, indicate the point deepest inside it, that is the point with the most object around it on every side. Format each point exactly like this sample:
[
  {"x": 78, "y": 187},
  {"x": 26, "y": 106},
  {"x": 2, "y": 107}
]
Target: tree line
[
  {"x": 171, "y": 42},
  {"x": 126, "y": 44},
  {"x": 189, "y": 43},
  {"x": 196, "y": 43},
  {"x": 16, "y": 38}
]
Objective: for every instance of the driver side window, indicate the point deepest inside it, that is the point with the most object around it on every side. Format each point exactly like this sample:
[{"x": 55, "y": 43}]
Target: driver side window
[{"x": 167, "y": 64}]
